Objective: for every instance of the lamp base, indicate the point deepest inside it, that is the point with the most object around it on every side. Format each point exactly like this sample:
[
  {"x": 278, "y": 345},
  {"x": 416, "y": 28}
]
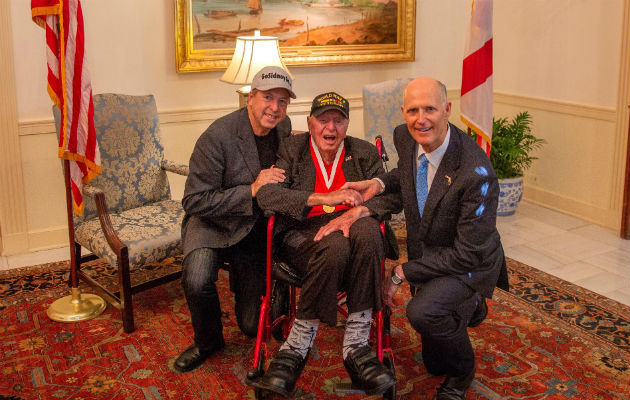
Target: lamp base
[
  {"x": 243, "y": 94},
  {"x": 76, "y": 307}
]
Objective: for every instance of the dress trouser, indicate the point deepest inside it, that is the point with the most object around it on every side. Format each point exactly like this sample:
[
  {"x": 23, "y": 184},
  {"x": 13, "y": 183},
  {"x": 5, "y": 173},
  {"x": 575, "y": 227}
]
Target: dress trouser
[
  {"x": 335, "y": 263},
  {"x": 440, "y": 312},
  {"x": 247, "y": 279}
]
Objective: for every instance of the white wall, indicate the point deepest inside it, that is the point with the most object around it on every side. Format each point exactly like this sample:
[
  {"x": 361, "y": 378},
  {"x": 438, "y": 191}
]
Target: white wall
[{"x": 562, "y": 52}]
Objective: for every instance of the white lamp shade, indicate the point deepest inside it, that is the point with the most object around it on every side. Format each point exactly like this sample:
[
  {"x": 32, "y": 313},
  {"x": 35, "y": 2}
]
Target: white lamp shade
[{"x": 251, "y": 54}]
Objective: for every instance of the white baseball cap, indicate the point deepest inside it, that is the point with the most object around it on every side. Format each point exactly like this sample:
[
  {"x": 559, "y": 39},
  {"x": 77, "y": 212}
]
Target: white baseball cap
[{"x": 271, "y": 78}]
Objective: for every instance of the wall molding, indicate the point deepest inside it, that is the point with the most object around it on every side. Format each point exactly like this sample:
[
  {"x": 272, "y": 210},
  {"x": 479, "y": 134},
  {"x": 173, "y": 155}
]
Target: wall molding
[
  {"x": 302, "y": 107},
  {"x": 622, "y": 117},
  {"x": 13, "y": 221},
  {"x": 557, "y": 106},
  {"x": 180, "y": 116}
]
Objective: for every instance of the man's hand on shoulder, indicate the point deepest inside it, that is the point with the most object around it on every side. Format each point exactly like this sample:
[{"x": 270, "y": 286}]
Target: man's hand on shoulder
[
  {"x": 269, "y": 175},
  {"x": 342, "y": 223},
  {"x": 368, "y": 188}
]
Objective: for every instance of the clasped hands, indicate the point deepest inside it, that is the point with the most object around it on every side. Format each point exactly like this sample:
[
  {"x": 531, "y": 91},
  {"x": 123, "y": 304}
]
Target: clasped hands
[{"x": 351, "y": 194}]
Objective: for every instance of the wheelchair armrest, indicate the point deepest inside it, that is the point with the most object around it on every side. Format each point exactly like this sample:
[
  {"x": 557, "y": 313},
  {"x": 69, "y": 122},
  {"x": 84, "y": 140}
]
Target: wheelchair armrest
[
  {"x": 284, "y": 272},
  {"x": 170, "y": 166}
]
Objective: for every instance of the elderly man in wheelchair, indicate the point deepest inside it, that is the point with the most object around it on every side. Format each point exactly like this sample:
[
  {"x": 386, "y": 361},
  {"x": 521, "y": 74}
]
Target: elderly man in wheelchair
[{"x": 333, "y": 240}]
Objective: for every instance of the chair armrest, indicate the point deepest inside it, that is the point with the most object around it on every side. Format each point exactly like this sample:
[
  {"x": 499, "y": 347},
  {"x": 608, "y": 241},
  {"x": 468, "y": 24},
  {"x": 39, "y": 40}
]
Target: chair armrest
[
  {"x": 180, "y": 169},
  {"x": 114, "y": 241},
  {"x": 91, "y": 191}
]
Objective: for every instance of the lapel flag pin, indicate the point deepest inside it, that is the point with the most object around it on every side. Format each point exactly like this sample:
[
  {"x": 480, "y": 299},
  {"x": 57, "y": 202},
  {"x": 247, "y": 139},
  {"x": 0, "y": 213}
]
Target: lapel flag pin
[
  {"x": 348, "y": 158},
  {"x": 448, "y": 178}
]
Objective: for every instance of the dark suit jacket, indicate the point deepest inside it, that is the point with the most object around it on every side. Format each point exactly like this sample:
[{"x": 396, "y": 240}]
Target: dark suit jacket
[
  {"x": 217, "y": 198},
  {"x": 289, "y": 198},
  {"x": 457, "y": 233}
]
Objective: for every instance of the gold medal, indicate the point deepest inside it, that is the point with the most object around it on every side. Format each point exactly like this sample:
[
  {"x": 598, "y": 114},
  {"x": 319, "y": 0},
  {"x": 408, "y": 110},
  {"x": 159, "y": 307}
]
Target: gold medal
[{"x": 328, "y": 209}]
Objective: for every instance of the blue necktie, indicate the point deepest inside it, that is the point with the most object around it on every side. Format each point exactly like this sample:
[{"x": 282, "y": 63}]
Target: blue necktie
[{"x": 422, "y": 188}]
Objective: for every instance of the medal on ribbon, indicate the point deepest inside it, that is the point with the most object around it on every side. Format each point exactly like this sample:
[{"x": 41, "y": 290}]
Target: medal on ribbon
[{"x": 328, "y": 209}]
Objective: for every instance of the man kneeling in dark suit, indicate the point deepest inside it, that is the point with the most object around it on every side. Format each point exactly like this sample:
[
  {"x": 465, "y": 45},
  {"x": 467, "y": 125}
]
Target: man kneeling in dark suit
[
  {"x": 332, "y": 240},
  {"x": 449, "y": 193}
]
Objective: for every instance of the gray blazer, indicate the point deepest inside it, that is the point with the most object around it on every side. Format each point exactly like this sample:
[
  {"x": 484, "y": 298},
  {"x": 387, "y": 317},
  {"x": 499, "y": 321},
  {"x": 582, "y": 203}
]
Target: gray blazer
[
  {"x": 217, "y": 198},
  {"x": 289, "y": 198}
]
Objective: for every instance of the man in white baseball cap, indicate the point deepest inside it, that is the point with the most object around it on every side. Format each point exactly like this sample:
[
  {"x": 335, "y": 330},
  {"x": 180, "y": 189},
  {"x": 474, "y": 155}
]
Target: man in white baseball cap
[{"x": 232, "y": 159}]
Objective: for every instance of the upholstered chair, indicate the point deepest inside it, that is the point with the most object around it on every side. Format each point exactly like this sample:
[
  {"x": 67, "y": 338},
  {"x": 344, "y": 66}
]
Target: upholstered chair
[
  {"x": 381, "y": 113},
  {"x": 129, "y": 219}
]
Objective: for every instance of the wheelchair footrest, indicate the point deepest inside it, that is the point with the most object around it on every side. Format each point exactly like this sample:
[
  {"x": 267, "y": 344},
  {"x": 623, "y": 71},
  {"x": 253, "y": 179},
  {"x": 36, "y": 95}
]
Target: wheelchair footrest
[{"x": 346, "y": 388}]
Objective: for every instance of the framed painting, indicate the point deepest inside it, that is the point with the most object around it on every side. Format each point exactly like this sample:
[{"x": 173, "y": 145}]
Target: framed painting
[{"x": 310, "y": 32}]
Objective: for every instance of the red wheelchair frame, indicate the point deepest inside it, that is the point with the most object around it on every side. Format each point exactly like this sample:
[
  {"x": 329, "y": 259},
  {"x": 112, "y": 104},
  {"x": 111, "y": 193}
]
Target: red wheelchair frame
[{"x": 380, "y": 330}]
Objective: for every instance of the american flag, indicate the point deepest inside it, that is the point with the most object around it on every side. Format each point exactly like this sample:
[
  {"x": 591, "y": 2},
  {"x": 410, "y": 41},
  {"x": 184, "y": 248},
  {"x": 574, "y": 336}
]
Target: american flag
[
  {"x": 70, "y": 89},
  {"x": 476, "y": 97}
]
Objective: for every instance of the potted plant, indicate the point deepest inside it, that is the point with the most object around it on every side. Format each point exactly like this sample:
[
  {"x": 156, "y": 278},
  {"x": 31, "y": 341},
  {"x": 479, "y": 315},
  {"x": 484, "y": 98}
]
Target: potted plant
[{"x": 512, "y": 143}]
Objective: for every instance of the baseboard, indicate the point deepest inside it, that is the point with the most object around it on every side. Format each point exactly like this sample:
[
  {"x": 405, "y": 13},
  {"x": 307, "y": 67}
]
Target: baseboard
[
  {"x": 46, "y": 239},
  {"x": 597, "y": 215},
  {"x": 13, "y": 244}
]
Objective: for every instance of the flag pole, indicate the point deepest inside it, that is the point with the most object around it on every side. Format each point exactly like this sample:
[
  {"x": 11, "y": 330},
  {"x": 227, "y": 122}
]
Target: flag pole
[{"x": 76, "y": 306}]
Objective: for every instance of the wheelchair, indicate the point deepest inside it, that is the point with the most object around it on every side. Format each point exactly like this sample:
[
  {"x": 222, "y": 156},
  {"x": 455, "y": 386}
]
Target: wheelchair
[{"x": 273, "y": 322}]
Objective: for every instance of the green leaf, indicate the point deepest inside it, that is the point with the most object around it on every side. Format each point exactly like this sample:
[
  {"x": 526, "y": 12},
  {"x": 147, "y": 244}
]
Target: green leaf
[{"x": 512, "y": 143}]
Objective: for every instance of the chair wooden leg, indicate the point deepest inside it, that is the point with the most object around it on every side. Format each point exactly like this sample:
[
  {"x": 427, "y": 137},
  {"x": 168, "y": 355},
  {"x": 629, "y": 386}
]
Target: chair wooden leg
[{"x": 125, "y": 292}]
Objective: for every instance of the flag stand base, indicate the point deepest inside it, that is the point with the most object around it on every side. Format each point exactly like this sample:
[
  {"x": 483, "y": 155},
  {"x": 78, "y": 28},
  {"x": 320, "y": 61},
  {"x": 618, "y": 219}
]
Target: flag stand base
[{"x": 76, "y": 307}]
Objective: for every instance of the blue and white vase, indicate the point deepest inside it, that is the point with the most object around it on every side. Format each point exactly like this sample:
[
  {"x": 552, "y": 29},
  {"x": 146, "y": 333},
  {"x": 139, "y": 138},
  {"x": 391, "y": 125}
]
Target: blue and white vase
[{"x": 511, "y": 192}]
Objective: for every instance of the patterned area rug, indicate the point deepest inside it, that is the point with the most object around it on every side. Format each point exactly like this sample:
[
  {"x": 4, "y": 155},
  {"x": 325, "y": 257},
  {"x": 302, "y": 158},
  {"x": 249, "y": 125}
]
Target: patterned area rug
[{"x": 546, "y": 339}]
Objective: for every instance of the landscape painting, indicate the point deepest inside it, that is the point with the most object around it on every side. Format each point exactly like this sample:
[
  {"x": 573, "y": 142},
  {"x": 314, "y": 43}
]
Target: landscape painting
[{"x": 310, "y": 32}]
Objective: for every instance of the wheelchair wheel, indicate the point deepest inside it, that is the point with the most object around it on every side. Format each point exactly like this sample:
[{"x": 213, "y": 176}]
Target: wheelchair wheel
[
  {"x": 388, "y": 361},
  {"x": 259, "y": 393},
  {"x": 280, "y": 304}
]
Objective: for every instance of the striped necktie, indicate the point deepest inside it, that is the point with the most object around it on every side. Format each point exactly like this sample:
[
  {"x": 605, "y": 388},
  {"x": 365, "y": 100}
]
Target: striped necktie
[{"x": 422, "y": 188}]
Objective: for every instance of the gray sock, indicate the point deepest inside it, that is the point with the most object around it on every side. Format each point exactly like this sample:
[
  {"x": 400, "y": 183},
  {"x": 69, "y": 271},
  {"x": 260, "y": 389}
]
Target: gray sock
[
  {"x": 301, "y": 336},
  {"x": 357, "y": 332}
]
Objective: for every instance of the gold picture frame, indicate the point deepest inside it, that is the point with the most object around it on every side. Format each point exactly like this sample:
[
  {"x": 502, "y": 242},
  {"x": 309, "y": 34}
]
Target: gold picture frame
[{"x": 198, "y": 47}]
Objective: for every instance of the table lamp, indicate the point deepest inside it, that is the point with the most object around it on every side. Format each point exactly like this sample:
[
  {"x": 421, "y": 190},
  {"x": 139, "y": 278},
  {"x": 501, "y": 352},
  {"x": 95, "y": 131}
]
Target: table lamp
[{"x": 251, "y": 54}]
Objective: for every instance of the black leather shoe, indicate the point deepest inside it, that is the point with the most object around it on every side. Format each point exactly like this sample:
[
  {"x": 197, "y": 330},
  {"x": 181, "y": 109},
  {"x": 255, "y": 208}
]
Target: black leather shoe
[
  {"x": 454, "y": 388},
  {"x": 283, "y": 373},
  {"x": 367, "y": 372},
  {"x": 194, "y": 356},
  {"x": 480, "y": 312}
]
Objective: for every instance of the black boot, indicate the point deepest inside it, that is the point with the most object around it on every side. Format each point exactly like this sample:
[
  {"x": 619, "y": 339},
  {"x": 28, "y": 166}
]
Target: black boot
[
  {"x": 480, "y": 312},
  {"x": 283, "y": 373},
  {"x": 455, "y": 387},
  {"x": 367, "y": 372},
  {"x": 194, "y": 356}
]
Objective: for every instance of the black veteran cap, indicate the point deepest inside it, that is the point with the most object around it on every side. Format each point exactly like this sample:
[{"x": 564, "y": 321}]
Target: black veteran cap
[{"x": 330, "y": 101}]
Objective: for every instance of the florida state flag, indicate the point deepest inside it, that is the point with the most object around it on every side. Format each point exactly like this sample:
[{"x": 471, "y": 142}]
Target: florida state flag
[
  {"x": 476, "y": 97},
  {"x": 70, "y": 89}
]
